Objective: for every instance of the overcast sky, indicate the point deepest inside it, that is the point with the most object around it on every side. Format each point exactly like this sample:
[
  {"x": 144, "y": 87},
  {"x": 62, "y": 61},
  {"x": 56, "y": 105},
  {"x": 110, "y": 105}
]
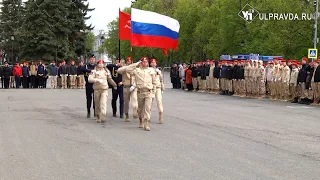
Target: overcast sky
[{"x": 105, "y": 12}]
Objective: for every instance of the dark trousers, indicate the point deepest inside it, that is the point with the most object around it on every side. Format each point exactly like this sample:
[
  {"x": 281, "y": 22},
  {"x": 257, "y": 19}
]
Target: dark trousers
[
  {"x": 2, "y": 83},
  {"x": 90, "y": 97},
  {"x": 115, "y": 94},
  {"x": 25, "y": 83},
  {"x": 33, "y": 81},
  {"x": 18, "y": 81},
  {"x": 190, "y": 87},
  {"x": 45, "y": 82},
  {"x": 40, "y": 81},
  {"x": 6, "y": 82}
]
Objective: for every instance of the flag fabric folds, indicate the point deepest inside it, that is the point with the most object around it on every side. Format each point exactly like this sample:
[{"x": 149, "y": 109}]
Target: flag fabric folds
[
  {"x": 124, "y": 26},
  {"x": 150, "y": 29}
]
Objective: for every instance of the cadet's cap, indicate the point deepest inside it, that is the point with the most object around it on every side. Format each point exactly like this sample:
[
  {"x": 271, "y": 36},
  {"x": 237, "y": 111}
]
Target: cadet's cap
[
  {"x": 91, "y": 56},
  {"x": 283, "y": 61},
  {"x": 275, "y": 58},
  {"x": 153, "y": 59},
  {"x": 316, "y": 61},
  {"x": 129, "y": 58},
  {"x": 144, "y": 59},
  {"x": 100, "y": 61},
  {"x": 305, "y": 59}
]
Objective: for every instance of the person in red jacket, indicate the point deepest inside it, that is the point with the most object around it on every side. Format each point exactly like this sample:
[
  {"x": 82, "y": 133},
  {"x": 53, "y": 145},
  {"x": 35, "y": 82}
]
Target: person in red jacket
[
  {"x": 17, "y": 73},
  {"x": 188, "y": 74}
]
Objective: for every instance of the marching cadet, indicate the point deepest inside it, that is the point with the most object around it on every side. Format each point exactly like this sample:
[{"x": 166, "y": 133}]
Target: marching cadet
[
  {"x": 159, "y": 87},
  {"x": 89, "y": 86},
  {"x": 100, "y": 78},
  {"x": 63, "y": 71},
  {"x": 293, "y": 83},
  {"x": 80, "y": 75},
  {"x": 316, "y": 84},
  {"x": 54, "y": 75},
  {"x": 72, "y": 71},
  {"x": 285, "y": 78},
  {"x": 146, "y": 87},
  {"x": 117, "y": 92},
  {"x": 302, "y": 78},
  {"x": 129, "y": 91},
  {"x": 216, "y": 77}
]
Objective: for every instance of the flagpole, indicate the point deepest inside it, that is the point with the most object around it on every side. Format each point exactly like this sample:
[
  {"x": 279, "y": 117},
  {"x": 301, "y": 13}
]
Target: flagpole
[
  {"x": 119, "y": 37},
  {"x": 131, "y": 24}
]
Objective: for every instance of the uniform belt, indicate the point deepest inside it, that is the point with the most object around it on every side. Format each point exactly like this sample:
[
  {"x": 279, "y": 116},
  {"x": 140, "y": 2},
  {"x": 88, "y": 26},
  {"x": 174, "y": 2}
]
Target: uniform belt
[{"x": 144, "y": 90}]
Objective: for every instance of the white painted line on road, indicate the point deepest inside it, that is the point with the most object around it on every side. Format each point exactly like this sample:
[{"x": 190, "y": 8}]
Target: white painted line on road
[{"x": 299, "y": 107}]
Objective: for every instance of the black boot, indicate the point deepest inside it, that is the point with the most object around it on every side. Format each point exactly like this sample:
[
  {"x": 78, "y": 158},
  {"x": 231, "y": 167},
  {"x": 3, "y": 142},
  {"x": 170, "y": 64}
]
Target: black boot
[
  {"x": 88, "y": 113},
  {"x": 295, "y": 100}
]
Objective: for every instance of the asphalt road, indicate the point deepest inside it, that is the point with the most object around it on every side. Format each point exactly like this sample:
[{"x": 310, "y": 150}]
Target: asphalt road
[{"x": 44, "y": 134}]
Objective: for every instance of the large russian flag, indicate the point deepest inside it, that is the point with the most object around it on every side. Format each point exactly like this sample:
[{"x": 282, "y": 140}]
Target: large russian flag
[{"x": 150, "y": 29}]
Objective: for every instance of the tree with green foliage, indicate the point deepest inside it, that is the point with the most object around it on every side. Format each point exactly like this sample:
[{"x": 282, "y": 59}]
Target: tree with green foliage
[
  {"x": 11, "y": 18},
  {"x": 55, "y": 29},
  {"x": 210, "y": 28}
]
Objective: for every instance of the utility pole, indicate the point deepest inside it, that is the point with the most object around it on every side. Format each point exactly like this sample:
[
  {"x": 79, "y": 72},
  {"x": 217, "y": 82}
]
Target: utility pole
[{"x": 316, "y": 24}]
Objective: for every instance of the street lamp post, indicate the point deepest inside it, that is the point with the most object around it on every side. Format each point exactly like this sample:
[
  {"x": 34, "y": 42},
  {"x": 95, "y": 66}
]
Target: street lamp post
[
  {"x": 102, "y": 41},
  {"x": 12, "y": 39}
]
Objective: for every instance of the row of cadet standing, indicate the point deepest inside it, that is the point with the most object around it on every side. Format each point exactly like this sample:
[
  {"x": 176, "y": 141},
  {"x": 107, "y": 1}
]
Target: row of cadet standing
[
  {"x": 133, "y": 82},
  {"x": 285, "y": 80},
  {"x": 36, "y": 75}
]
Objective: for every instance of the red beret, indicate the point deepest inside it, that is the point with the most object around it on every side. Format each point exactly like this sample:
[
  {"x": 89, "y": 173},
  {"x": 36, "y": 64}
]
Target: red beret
[
  {"x": 153, "y": 59},
  {"x": 275, "y": 58},
  {"x": 144, "y": 58},
  {"x": 100, "y": 61},
  {"x": 128, "y": 58},
  {"x": 305, "y": 59}
]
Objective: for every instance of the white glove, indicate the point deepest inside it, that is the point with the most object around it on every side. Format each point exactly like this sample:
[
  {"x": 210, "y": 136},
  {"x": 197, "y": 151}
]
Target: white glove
[
  {"x": 158, "y": 71},
  {"x": 153, "y": 95},
  {"x": 101, "y": 81},
  {"x": 115, "y": 88},
  {"x": 132, "y": 88}
]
